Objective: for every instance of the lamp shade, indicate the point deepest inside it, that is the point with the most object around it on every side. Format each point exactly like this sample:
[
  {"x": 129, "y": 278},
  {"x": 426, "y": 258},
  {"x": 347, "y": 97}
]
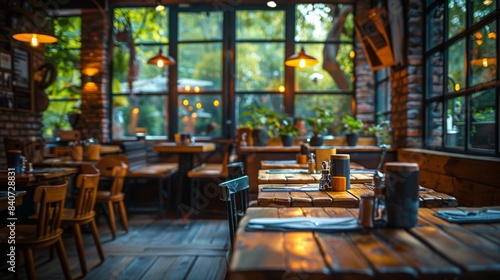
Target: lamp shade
[
  {"x": 301, "y": 59},
  {"x": 35, "y": 38},
  {"x": 161, "y": 60}
]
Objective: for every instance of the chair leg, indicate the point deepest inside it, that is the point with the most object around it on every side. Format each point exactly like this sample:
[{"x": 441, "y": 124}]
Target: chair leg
[
  {"x": 63, "y": 259},
  {"x": 123, "y": 215},
  {"x": 97, "y": 239},
  {"x": 112, "y": 222},
  {"x": 29, "y": 263},
  {"x": 79, "y": 247}
]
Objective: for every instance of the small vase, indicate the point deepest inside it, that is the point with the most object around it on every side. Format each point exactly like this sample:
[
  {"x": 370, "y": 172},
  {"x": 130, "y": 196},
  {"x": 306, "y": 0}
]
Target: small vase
[
  {"x": 287, "y": 140},
  {"x": 351, "y": 139},
  {"x": 316, "y": 140}
]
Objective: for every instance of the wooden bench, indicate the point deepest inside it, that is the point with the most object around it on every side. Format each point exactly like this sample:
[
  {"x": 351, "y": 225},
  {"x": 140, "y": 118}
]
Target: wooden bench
[{"x": 139, "y": 168}]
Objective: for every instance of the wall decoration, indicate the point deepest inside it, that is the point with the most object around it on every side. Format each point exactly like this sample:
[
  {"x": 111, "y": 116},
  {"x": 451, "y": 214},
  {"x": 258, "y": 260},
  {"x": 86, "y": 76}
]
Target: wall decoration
[
  {"x": 6, "y": 100},
  {"x": 22, "y": 69},
  {"x": 1, "y": 80},
  {"x": 5, "y": 61},
  {"x": 7, "y": 81}
]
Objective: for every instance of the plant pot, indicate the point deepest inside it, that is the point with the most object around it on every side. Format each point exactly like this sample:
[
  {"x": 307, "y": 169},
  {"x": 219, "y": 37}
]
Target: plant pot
[
  {"x": 259, "y": 137},
  {"x": 316, "y": 140},
  {"x": 287, "y": 140},
  {"x": 351, "y": 139}
]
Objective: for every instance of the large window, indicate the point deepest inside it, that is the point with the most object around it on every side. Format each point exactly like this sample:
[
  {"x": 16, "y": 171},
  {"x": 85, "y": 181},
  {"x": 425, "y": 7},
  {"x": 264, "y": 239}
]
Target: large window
[
  {"x": 462, "y": 79},
  {"x": 64, "y": 93},
  {"x": 228, "y": 62}
]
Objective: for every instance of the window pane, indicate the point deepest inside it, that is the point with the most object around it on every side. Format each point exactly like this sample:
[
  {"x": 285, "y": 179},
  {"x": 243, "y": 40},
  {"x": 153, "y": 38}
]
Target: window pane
[
  {"x": 200, "y": 65},
  {"x": 245, "y": 102},
  {"x": 260, "y": 66},
  {"x": 269, "y": 25},
  {"x": 316, "y": 21},
  {"x": 200, "y": 114},
  {"x": 435, "y": 125},
  {"x": 483, "y": 54},
  {"x": 340, "y": 105},
  {"x": 456, "y": 16},
  {"x": 455, "y": 123},
  {"x": 130, "y": 113},
  {"x": 316, "y": 78},
  {"x": 435, "y": 75},
  {"x": 146, "y": 78},
  {"x": 456, "y": 67},
  {"x": 483, "y": 120},
  {"x": 200, "y": 26},
  {"x": 140, "y": 25},
  {"x": 68, "y": 32},
  {"x": 482, "y": 9},
  {"x": 435, "y": 27}
]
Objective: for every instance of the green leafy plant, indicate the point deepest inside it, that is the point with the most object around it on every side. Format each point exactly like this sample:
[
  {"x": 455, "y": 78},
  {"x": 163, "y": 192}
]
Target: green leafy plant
[
  {"x": 261, "y": 118},
  {"x": 287, "y": 127},
  {"x": 352, "y": 125},
  {"x": 323, "y": 120}
]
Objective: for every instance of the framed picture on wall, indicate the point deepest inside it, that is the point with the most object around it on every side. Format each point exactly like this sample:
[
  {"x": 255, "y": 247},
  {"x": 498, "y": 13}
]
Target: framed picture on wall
[
  {"x": 5, "y": 61},
  {"x": 7, "y": 81},
  {"x": 6, "y": 100},
  {"x": 1, "y": 80},
  {"x": 21, "y": 71}
]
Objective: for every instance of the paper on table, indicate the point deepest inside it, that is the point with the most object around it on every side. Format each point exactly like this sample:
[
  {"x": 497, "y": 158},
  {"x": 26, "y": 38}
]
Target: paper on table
[
  {"x": 304, "y": 224},
  {"x": 304, "y": 188},
  {"x": 462, "y": 217}
]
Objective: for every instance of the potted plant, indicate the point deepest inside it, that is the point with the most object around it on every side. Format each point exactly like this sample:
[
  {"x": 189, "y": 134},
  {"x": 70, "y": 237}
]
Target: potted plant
[
  {"x": 263, "y": 122},
  {"x": 319, "y": 124},
  {"x": 287, "y": 131},
  {"x": 353, "y": 127}
]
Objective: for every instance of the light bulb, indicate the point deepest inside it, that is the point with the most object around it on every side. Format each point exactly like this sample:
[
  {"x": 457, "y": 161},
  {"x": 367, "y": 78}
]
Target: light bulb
[
  {"x": 302, "y": 63},
  {"x": 34, "y": 41},
  {"x": 485, "y": 62},
  {"x": 160, "y": 63}
]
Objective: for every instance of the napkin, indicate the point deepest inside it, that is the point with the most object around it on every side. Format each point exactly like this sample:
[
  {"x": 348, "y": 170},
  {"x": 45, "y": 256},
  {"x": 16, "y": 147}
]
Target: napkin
[
  {"x": 285, "y": 171},
  {"x": 304, "y": 188},
  {"x": 463, "y": 217},
  {"x": 362, "y": 171},
  {"x": 304, "y": 224}
]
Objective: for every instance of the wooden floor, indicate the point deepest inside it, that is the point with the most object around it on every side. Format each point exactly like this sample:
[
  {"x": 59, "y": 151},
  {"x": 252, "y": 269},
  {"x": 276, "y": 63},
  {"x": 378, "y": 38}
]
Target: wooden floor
[{"x": 152, "y": 249}]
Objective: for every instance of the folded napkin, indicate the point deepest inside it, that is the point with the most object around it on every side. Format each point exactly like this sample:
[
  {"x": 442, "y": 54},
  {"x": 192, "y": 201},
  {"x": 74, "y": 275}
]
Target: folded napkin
[
  {"x": 292, "y": 161},
  {"x": 304, "y": 188},
  {"x": 304, "y": 224},
  {"x": 35, "y": 171},
  {"x": 287, "y": 171},
  {"x": 463, "y": 217},
  {"x": 363, "y": 171}
]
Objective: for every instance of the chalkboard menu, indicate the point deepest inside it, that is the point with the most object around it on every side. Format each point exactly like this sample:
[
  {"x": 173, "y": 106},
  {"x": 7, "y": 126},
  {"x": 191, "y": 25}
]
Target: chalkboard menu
[
  {"x": 23, "y": 97},
  {"x": 6, "y": 93}
]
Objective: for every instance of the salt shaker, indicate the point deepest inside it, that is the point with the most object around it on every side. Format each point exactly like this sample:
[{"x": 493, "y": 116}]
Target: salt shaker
[
  {"x": 311, "y": 164},
  {"x": 380, "y": 214},
  {"x": 325, "y": 183}
]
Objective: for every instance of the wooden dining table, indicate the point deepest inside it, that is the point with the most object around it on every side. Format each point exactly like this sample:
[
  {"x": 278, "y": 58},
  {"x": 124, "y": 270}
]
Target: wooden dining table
[
  {"x": 5, "y": 199},
  {"x": 434, "y": 249},
  {"x": 346, "y": 199},
  {"x": 186, "y": 153}
]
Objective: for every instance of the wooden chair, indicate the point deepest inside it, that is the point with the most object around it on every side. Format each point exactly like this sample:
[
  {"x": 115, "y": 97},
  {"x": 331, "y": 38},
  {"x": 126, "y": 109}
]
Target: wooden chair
[
  {"x": 47, "y": 230},
  {"x": 83, "y": 213},
  {"x": 235, "y": 193},
  {"x": 117, "y": 170}
]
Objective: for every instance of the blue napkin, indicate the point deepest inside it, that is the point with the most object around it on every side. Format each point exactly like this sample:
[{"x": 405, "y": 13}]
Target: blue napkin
[
  {"x": 304, "y": 224},
  {"x": 304, "y": 188},
  {"x": 464, "y": 217},
  {"x": 287, "y": 171}
]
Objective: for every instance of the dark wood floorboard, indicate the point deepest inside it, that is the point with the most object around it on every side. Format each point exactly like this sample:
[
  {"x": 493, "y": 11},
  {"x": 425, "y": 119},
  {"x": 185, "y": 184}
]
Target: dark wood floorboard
[{"x": 152, "y": 249}]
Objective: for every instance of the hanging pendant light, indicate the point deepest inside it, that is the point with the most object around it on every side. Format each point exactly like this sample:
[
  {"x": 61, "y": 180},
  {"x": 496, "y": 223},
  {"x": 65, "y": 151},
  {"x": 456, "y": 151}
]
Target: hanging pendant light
[
  {"x": 161, "y": 60},
  {"x": 301, "y": 60},
  {"x": 34, "y": 33}
]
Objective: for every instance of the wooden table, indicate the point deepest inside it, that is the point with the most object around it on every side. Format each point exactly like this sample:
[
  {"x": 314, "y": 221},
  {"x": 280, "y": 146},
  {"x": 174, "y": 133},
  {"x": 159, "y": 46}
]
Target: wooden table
[
  {"x": 294, "y": 177},
  {"x": 40, "y": 176},
  {"x": 4, "y": 199},
  {"x": 347, "y": 199},
  {"x": 186, "y": 155},
  {"x": 435, "y": 249},
  {"x": 292, "y": 164}
]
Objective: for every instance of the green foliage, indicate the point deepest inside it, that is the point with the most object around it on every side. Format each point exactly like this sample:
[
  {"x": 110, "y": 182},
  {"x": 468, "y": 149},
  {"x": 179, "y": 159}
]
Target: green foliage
[
  {"x": 321, "y": 121},
  {"x": 352, "y": 125},
  {"x": 287, "y": 127}
]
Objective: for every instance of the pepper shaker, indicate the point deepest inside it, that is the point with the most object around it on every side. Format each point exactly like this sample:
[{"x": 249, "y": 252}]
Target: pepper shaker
[{"x": 324, "y": 182}]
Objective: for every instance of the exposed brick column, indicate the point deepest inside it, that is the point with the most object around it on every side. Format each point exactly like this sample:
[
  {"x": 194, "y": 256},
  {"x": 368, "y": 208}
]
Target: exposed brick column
[
  {"x": 365, "y": 83},
  {"x": 407, "y": 93},
  {"x": 94, "y": 119}
]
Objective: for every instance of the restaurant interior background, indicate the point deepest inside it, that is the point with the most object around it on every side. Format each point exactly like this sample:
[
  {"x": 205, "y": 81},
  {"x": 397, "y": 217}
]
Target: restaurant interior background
[{"x": 440, "y": 93}]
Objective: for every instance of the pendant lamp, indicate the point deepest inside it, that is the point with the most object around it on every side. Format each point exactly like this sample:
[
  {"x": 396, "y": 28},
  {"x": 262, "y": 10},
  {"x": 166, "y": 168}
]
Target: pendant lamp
[
  {"x": 161, "y": 60},
  {"x": 301, "y": 60},
  {"x": 34, "y": 32}
]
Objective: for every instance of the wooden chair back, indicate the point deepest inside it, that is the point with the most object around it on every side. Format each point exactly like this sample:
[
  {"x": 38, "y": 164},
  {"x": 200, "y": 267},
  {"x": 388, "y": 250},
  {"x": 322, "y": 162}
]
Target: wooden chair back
[
  {"x": 236, "y": 196},
  {"x": 119, "y": 173},
  {"x": 228, "y": 149},
  {"x": 50, "y": 202},
  {"x": 87, "y": 183},
  {"x": 107, "y": 163}
]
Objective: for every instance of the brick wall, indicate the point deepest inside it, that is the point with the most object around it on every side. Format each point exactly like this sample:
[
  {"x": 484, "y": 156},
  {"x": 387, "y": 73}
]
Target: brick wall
[{"x": 407, "y": 82}]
